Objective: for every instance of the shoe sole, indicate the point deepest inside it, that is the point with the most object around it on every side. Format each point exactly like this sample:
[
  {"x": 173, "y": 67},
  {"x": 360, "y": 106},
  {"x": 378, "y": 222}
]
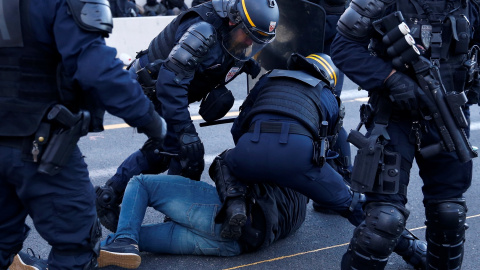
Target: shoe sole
[
  {"x": 125, "y": 260},
  {"x": 233, "y": 230},
  {"x": 18, "y": 264}
]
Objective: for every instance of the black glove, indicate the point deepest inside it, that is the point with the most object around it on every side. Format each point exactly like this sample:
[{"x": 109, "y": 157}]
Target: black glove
[
  {"x": 252, "y": 67},
  {"x": 156, "y": 129},
  {"x": 403, "y": 91},
  {"x": 157, "y": 162},
  {"x": 191, "y": 154}
]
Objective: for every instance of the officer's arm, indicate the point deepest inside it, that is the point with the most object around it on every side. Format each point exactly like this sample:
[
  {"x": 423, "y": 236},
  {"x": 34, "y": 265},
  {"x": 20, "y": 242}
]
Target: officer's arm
[
  {"x": 179, "y": 69},
  {"x": 93, "y": 65},
  {"x": 349, "y": 50}
]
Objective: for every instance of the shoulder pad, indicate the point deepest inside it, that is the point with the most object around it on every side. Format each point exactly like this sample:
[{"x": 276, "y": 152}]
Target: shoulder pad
[
  {"x": 295, "y": 74},
  {"x": 92, "y": 15},
  {"x": 190, "y": 49}
]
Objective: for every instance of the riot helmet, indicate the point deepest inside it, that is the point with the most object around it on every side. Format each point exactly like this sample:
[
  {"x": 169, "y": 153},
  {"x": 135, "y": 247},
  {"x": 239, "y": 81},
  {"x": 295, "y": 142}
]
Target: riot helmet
[
  {"x": 253, "y": 25},
  {"x": 319, "y": 65}
]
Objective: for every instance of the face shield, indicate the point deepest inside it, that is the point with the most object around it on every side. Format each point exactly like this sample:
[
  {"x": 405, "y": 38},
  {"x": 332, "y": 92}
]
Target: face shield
[{"x": 243, "y": 43}]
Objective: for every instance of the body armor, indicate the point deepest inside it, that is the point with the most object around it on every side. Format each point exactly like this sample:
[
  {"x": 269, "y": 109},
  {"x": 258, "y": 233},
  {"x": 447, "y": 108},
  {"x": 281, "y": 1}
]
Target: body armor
[
  {"x": 299, "y": 101},
  {"x": 28, "y": 77}
]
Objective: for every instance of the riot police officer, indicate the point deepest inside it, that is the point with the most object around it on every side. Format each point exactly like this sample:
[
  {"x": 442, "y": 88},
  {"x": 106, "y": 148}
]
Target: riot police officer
[
  {"x": 192, "y": 59},
  {"x": 50, "y": 85},
  {"x": 401, "y": 123},
  {"x": 282, "y": 136}
]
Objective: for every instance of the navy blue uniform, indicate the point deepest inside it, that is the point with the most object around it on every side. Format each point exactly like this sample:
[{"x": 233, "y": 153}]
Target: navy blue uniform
[
  {"x": 285, "y": 158},
  {"x": 61, "y": 206},
  {"x": 445, "y": 178}
]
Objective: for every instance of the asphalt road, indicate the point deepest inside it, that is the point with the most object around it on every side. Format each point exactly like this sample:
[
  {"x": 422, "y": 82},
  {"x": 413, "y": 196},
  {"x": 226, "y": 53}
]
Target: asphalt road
[{"x": 318, "y": 244}]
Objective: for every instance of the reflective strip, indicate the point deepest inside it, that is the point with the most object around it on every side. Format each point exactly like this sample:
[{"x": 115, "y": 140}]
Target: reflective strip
[
  {"x": 246, "y": 14},
  {"x": 326, "y": 65}
]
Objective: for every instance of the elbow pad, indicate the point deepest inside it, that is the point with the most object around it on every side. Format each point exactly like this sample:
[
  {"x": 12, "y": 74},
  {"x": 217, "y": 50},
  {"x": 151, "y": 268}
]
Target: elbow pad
[
  {"x": 92, "y": 15},
  {"x": 195, "y": 43},
  {"x": 356, "y": 22}
]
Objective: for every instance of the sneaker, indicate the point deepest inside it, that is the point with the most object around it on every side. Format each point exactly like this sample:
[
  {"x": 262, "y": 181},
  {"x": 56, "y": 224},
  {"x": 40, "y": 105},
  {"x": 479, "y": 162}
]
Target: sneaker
[
  {"x": 122, "y": 252},
  {"x": 28, "y": 261}
]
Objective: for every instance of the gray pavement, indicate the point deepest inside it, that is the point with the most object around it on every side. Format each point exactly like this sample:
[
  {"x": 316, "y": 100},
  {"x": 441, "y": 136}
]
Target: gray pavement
[{"x": 318, "y": 244}]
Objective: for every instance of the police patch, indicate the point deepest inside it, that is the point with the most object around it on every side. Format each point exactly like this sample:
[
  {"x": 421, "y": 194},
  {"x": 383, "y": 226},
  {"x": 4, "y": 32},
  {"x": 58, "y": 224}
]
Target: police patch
[
  {"x": 231, "y": 73},
  {"x": 426, "y": 34},
  {"x": 272, "y": 26}
]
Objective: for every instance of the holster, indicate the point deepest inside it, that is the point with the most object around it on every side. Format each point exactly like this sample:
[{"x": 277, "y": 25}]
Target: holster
[{"x": 68, "y": 128}]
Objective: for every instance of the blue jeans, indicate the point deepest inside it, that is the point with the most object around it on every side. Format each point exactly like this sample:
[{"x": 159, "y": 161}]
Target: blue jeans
[{"x": 192, "y": 206}]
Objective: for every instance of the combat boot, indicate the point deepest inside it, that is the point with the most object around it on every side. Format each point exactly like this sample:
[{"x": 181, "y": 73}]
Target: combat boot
[
  {"x": 233, "y": 214},
  {"x": 108, "y": 205},
  {"x": 412, "y": 250},
  {"x": 235, "y": 218}
]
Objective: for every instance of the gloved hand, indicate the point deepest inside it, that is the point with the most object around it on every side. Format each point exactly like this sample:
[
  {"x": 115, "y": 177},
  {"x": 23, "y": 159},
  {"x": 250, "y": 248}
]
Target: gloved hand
[
  {"x": 191, "y": 153},
  {"x": 157, "y": 162},
  {"x": 156, "y": 129},
  {"x": 403, "y": 91},
  {"x": 252, "y": 67}
]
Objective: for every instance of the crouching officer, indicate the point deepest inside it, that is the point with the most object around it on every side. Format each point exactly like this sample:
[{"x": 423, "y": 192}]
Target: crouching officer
[
  {"x": 191, "y": 60},
  {"x": 49, "y": 98},
  {"x": 283, "y": 135}
]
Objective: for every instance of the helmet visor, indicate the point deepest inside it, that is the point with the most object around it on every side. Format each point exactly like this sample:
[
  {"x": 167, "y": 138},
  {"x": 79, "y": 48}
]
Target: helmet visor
[{"x": 242, "y": 44}]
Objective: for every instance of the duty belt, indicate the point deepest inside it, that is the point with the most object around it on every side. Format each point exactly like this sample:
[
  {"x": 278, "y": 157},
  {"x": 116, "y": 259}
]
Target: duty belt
[{"x": 276, "y": 127}]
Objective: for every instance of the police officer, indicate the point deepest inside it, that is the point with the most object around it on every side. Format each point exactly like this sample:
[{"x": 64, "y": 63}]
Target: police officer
[
  {"x": 46, "y": 81},
  {"x": 282, "y": 136},
  {"x": 442, "y": 33},
  {"x": 192, "y": 59}
]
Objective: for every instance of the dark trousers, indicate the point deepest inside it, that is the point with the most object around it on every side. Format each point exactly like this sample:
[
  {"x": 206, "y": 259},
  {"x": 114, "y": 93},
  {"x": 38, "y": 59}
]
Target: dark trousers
[
  {"x": 286, "y": 160},
  {"x": 444, "y": 177},
  {"x": 62, "y": 208}
]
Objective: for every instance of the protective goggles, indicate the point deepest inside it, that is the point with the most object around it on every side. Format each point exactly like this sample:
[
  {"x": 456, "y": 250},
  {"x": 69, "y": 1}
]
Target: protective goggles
[{"x": 242, "y": 43}]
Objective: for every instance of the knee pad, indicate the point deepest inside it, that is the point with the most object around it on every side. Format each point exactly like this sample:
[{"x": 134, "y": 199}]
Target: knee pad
[
  {"x": 377, "y": 236},
  {"x": 445, "y": 235}
]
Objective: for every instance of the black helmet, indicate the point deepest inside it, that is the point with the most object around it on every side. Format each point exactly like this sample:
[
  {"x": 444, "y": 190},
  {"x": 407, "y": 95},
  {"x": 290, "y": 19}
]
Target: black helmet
[
  {"x": 319, "y": 65},
  {"x": 255, "y": 22}
]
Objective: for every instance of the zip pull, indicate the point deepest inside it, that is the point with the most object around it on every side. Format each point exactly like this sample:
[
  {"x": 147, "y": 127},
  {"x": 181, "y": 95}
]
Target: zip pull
[{"x": 35, "y": 151}]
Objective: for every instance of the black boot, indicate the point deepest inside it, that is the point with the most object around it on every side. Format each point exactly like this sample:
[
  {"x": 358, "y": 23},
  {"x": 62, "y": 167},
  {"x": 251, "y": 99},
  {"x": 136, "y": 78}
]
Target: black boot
[
  {"x": 412, "y": 250},
  {"x": 108, "y": 205},
  {"x": 233, "y": 214},
  {"x": 235, "y": 218}
]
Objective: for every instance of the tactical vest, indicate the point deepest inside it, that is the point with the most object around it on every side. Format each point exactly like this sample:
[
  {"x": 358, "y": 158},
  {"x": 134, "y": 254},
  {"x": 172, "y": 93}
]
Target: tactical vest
[
  {"x": 28, "y": 84},
  {"x": 443, "y": 30},
  {"x": 291, "y": 98},
  {"x": 161, "y": 46}
]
